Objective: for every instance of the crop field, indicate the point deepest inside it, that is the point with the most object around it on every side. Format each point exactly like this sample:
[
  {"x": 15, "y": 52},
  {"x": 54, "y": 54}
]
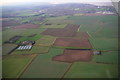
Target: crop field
[
  {"x": 53, "y": 26},
  {"x": 82, "y": 43},
  {"x": 71, "y": 56},
  {"x": 82, "y": 35},
  {"x": 92, "y": 70},
  {"x": 26, "y": 26},
  {"x": 14, "y": 65},
  {"x": 98, "y": 26},
  {"x": 34, "y": 50},
  {"x": 64, "y": 48},
  {"x": 7, "y": 48},
  {"x": 45, "y": 41},
  {"x": 68, "y": 31},
  {"x": 44, "y": 67},
  {"x": 60, "y": 20}
]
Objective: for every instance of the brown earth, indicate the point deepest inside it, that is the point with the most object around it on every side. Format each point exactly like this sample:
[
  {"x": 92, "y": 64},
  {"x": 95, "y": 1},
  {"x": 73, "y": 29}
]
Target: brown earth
[
  {"x": 26, "y": 26},
  {"x": 74, "y": 56},
  {"x": 82, "y": 35},
  {"x": 73, "y": 42},
  {"x": 69, "y": 31}
]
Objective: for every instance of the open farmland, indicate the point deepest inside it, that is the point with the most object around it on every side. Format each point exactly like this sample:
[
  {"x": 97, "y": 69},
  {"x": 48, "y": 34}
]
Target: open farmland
[
  {"x": 82, "y": 43},
  {"x": 26, "y": 26},
  {"x": 74, "y": 56},
  {"x": 60, "y": 41},
  {"x": 82, "y": 35},
  {"x": 59, "y": 20},
  {"x": 45, "y": 41},
  {"x": 7, "y": 48},
  {"x": 108, "y": 57},
  {"x": 92, "y": 70},
  {"x": 68, "y": 31},
  {"x": 14, "y": 65},
  {"x": 104, "y": 43},
  {"x": 98, "y": 26},
  {"x": 33, "y": 38},
  {"x": 7, "y": 34},
  {"x": 34, "y": 50},
  {"x": 48, "y": 25},
  {"x": 43, "y": 65}
]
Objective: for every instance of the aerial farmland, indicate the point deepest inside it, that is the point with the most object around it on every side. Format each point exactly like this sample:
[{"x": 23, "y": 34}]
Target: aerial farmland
[{"x": 72, "y": 40}]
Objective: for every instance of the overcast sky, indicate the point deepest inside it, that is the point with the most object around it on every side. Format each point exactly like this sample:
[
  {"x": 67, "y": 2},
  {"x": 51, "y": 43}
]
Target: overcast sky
[{"x": 5, "y": 2}]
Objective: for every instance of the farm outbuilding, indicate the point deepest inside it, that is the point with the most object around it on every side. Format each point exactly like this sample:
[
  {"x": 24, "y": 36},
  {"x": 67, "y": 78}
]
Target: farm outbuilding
[
  {"x": 26, "y": 45},
  {"x": 97, "y": 52}
]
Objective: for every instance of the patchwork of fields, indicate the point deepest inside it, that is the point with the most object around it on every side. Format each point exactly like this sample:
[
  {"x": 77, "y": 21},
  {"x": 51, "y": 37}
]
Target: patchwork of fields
[{"x": 64, "y": 48}]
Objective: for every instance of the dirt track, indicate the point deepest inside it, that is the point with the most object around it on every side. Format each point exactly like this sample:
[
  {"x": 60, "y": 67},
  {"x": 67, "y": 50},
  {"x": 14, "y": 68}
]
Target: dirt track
[{"x": 74, "y": 56}]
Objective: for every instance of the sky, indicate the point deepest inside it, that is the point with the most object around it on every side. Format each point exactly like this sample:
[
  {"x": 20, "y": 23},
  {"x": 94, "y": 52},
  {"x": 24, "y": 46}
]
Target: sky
[{"x": 7, "y": 2}]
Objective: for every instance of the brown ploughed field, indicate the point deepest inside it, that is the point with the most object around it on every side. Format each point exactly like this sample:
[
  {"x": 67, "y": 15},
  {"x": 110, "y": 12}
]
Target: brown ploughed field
[
  {"x": 73, "y": 42},
  {"x": 74, "y": 56},
  {"x": 26, "y": 26},
  {"x": 69, "y": 31},
  {"x": 82, "y": 35}
]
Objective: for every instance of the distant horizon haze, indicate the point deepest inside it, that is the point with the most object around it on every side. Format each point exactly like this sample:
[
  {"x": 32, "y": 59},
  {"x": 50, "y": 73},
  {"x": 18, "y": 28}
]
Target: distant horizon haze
[{"x": 95, "y": 2}]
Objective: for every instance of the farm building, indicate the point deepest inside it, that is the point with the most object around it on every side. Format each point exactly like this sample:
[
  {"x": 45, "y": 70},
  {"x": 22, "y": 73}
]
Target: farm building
[
  {"x": 26, "y": 45},
  {"x": 97, "y": 52}
]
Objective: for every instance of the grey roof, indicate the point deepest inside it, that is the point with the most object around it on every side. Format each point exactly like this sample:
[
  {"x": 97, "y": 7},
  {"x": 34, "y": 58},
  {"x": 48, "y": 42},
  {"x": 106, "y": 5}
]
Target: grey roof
[{"x": 24, "y": 47}]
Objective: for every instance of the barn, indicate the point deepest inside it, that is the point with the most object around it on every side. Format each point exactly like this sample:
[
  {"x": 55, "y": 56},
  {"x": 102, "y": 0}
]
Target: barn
[{"x": 26, "y": 45}]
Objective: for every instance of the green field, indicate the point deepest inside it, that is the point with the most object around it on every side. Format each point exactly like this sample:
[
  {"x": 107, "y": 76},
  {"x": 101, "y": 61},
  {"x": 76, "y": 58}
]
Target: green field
[
  {"x": 92, "y": 70},
  {"x": 44, "y": 67},
  {"x": 26, "y": 13},
  {"x": 7, "y": 48},
  {"x": 103, "y": 32},
  {"x": 34, "y": 50},
  {"x": 45, "y": 41},
  {"x": 7, "y": 34},
  {"x": 104, "y": 43},
  {"x": 59, "y": 20},
  {"x": 107, "y": 57},
  {"x": 53, "y": 26},
  {"x": 14, "y": 65},
  {"x": 98, "y": 26},
  {"x": 34, "y": 38}
]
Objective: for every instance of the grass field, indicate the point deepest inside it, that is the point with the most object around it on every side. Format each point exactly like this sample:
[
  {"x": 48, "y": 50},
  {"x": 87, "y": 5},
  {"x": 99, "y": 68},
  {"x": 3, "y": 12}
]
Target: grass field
[
  {"x": 7, "y": 34},
  {"x": 107, "y": 57},
  {"x": 45, "y": 41},
  {"x": 104, "y": 43},
  {"x": 14, "y": 65},
  {"x": 53, "y": 26},
  {"x": 44, "y": 67},
  {"x": 103, "y": 31},
  {"x": 98, "y": 26},
  {"x": 8, "y": 48},
  {"x": 92, "y": 70},
  {"x": 59, "y": 20},
  {"x": 34, "y": 50},
  {"x": 34, "y": 38}
]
